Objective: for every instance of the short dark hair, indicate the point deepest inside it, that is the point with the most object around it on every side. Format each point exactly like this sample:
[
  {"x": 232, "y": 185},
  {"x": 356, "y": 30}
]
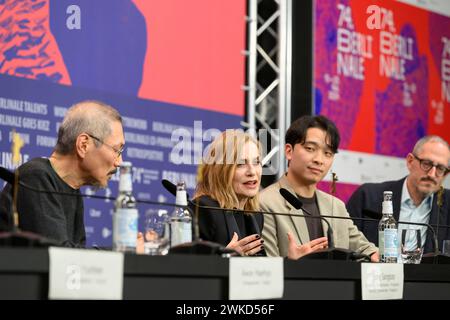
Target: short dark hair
[{"x": 297, "y": 131}]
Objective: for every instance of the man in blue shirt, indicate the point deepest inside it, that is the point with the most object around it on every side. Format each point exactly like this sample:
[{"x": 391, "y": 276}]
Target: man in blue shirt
[{"x": 419, "y": 197}]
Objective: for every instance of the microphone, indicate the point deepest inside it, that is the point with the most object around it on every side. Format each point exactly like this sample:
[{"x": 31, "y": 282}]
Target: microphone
[
  {"x": 25, "y": 238},
  {"x": 172, "y": 188},
  {"x": 330, "y": 253},
  {"x": 439, "y": 203},
  {"x": 436, "y": 257},
  {"x": 198, "y": 246},
  {"x": 298, "y": 205},
  {"x": 12, "y": 236}
]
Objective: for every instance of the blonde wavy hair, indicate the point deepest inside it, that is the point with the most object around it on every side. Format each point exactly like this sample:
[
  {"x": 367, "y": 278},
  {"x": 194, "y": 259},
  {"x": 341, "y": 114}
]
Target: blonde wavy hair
[{"x": 215, "y": 178}]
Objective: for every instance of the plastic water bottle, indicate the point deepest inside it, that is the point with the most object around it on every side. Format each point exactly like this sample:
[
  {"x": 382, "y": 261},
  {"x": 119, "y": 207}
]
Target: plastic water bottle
[
  {"x": 387, "y": 231},
  {"x": 181, "y": 219},
  {"x": 125, "y": 217}
]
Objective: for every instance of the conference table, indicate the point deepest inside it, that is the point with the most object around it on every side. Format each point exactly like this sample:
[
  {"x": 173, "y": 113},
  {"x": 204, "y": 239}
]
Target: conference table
[{"x": 24, "y": 275}]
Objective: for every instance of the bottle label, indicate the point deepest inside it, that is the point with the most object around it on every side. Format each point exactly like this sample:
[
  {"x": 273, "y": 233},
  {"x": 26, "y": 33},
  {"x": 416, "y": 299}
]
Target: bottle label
[
  {"x": 181, "y": 198},
  {"x": 125, "y": 228},
  {"x": 181, "y": 232},
  {"x": 390, "y": 243},
  {"x": 125, "y": 183},
  {"x": 387, "y": 207}
]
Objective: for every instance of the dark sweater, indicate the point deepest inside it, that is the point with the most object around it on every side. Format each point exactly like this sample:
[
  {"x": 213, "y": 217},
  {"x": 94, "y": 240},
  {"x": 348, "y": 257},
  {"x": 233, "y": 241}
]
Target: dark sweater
[{"x": 58, "y": 217}]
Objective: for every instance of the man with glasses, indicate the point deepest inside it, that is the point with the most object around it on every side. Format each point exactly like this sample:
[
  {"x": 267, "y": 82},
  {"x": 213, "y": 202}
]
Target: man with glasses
[
  {"x": 88, "y": 152},
  {"x": 419, "y": 197}
]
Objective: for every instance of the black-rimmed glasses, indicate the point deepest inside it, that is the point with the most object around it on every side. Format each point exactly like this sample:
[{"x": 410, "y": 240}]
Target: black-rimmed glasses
[
  {"x": 117, "y": 151},
  {"x": 426, "y": 166}
]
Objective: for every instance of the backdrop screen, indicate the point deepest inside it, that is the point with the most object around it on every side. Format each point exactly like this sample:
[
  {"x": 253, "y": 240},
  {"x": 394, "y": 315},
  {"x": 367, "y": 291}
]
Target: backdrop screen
[
  {"x": 165, "y": 65},
  {"x": 381, "y": 71}
]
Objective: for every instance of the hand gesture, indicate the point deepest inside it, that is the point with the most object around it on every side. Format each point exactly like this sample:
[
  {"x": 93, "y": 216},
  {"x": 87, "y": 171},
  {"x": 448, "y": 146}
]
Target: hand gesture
[
  {"x": 247, "y": 246},
  {"x": 296, "y": 251}
]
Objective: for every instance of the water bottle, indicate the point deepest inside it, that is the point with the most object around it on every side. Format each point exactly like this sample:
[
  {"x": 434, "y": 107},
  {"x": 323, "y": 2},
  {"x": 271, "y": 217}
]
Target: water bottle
[
  {"x": 181, "y": 219},
  {"x": 125, "y": 217},
  {"x": 387, "y": 231}
]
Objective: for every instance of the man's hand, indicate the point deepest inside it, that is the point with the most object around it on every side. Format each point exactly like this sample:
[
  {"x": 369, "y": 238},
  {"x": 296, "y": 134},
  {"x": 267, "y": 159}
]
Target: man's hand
[
  {"x": 296, "y": 251},
  {"x": 375, "y": 257},
  {"x": 140, "y": 243}
]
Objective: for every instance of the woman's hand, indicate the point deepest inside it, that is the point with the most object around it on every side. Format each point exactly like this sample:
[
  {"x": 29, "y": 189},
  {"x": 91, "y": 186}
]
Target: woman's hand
[
  {"x": 247, "y": 246},
  {"x": 296, "y": 251}
]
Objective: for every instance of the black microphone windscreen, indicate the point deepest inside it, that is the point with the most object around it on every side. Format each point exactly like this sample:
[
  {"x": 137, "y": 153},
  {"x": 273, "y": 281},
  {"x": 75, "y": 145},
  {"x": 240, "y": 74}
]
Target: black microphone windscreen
[
  {"x": 293, "y": 200},
  {"x": 169, "y": 186},
  {"x": 172, "y": 188},
  {"x": 7, "y": 175},
  {"x": 372, "y": 214}
]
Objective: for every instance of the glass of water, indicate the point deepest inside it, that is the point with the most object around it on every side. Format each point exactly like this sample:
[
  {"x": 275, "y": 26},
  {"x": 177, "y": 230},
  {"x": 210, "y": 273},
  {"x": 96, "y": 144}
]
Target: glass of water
[
  {"x": 446, "y": 248},
  {"x": 411, "y": 246},
  {"x": 156, "y": 233}
]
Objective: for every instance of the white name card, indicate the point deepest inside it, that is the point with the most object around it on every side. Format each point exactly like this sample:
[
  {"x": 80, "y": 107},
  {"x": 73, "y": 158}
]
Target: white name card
[
  {"x": 382, "y": 281},
  {"x": 85, "y": 274},
  {"x": 256, "y": 278}
]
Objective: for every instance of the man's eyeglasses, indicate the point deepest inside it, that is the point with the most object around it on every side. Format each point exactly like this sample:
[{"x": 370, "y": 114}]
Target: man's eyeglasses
[
  {"x": 426, "y": 166},
  {"x": 117, "y": 151}
]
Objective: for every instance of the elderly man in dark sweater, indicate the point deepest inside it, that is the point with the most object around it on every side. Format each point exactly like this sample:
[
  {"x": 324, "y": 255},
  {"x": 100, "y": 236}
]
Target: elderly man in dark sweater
[{"x": 88, "y": 152}]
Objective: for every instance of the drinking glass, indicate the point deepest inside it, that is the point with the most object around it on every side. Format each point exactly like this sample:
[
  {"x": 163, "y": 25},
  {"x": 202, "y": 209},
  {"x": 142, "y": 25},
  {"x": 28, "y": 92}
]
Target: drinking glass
[
  {"x": 411, "y": 246},
  {"x": 446, "y": 248},
  {"x": 156, "y": 233}
]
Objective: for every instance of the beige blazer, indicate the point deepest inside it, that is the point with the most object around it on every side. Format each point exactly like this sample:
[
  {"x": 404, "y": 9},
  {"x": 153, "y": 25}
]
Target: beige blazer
[{"x": 346, "y": 234}]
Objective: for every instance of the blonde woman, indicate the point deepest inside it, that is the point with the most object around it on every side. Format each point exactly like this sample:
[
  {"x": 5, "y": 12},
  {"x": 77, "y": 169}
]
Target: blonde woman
[{"x": 230, "y": 179}]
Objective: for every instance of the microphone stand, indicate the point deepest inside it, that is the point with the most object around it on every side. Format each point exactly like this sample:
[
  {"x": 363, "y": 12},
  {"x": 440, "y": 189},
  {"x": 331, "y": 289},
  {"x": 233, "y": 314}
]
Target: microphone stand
[
  {"x": 440, "y": 202},
  {"x": 331, "y": 253},
  {"x": 24, "y": 238},
  {"x": 17, "y": 238},
  {"x": 172, "y": 189},
  {"x": 436, "y": 257}
]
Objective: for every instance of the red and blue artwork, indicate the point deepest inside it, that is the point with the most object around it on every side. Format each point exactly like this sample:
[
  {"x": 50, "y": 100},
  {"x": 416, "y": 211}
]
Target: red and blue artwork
[
  {"x": 379, "y": 73},
  {"x": 174, "y": 51},
  {"x": 382, "y": 73}
]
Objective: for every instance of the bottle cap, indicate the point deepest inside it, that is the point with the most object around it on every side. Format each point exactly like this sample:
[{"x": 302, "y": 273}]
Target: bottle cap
[
  {"x": 125, "y": 183},
  {"x": 387, "y": 203}
]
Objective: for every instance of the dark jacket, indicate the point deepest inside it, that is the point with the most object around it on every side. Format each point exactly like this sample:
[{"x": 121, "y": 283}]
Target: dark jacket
[
  {"x": 219, "y": 225},
  {"x": 366, "y": 202}
]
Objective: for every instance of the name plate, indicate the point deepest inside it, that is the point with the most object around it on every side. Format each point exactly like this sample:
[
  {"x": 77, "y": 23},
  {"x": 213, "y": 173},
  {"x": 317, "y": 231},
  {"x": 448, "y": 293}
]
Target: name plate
[
  {"x": 256, "y": 278},
  {"x": 382, "y": 281},
  {"x": 85, "y": 274}
]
